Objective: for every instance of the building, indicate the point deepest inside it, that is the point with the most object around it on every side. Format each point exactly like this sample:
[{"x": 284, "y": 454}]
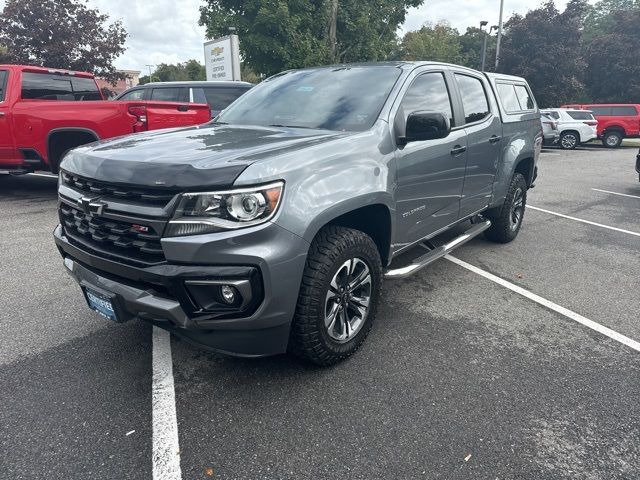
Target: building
[{"x": 132, "y": 79}]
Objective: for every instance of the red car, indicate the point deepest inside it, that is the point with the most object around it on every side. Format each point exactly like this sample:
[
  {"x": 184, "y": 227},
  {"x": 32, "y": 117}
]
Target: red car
[
  {"x": 45, "y": 112},
  {"x": 616, "y": 121}
]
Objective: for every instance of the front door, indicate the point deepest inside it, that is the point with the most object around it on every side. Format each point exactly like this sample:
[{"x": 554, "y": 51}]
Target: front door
[{"x": 430, "y": 173}]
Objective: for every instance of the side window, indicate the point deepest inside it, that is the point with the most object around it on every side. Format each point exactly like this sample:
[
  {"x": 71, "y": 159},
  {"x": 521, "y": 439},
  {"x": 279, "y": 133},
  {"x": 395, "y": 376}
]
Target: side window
[
  {"x": 474, "y": 98},
  {"x": 85, "y": 89},
  {"x": 427, "y": 92},
  {"x": 624, "y": 111},
  {"x": 508, "y": 97},
  {"x": 555, "y": 115},
  {"x": 526, "y": 102},
  {"x": 133, "y": 95},
  {"x": 601, "y": 111},
  {"x": 221, "y": 97},
  {"x": 197, "y": 95},
  {"x": 169, "y": 94},
  {"x": 3, "y": 81},
  {"x": 581, "y": 115}
]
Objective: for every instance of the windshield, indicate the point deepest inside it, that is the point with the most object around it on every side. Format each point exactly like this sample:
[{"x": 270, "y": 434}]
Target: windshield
[{"x": 339, "y": 98}]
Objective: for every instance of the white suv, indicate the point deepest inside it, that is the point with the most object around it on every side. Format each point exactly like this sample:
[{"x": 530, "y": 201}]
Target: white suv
[{"x": 575, "y": 126}]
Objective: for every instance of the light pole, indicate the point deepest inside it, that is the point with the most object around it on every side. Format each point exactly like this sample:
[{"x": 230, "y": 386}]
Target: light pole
[
  {"x": 499, "y": 35},
  {"x": 150, "y": 76},
  {"x": 483, "y": 24}
]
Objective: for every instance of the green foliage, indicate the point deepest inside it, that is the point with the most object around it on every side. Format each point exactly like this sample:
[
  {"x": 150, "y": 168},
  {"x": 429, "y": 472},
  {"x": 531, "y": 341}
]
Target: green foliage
[
  {"x": 613, "y": 72},
  {"x": 61, "y": 34},
  {"x": 599, "y": 19},
  {"x": 277, "y": 35},
  {"x": 544, "y": 47},
  {"x": 471, "y": 44},
  {"x": 439, "y": 42},
  {"x": 191, "y": 70}
]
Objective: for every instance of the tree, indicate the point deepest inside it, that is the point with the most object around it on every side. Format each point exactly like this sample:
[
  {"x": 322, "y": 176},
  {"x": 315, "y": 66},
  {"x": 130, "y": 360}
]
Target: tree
[
  {"x": 61, "y": 34},
  {"x": 191, "y": 70},
  {"x": 439, "y": 42},
  {"x": 599, "y": 18},
  {"x": 282, "y": 34},
  {"x": 611, "y": 75},
  {"x": 544, "y": 47},
  {"x": 471, "y": 44}
]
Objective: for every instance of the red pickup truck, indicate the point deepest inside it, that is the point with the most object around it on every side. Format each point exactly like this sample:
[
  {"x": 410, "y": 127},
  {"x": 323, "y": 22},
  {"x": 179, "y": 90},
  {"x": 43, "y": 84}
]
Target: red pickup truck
[
  {"x": 616, "y": 121},
  {"x": 46, "y": 112}
]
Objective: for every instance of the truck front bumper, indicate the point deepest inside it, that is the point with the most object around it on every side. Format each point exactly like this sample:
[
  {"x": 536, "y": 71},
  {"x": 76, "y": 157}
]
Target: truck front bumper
[{"x": 268, "y": 274}]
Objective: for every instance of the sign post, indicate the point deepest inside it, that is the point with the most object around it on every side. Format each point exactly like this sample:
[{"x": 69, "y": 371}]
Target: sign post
[{"x": 222, "y": 58}]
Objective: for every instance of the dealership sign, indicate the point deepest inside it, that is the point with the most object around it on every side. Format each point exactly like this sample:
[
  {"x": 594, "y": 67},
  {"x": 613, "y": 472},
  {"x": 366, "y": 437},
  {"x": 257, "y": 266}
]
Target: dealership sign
[{"x": 222, "y": 58}]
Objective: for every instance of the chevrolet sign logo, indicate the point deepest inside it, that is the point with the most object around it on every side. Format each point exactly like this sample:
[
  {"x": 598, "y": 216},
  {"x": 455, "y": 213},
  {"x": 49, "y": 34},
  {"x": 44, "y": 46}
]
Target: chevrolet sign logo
[{"x": 91, "y": 206}]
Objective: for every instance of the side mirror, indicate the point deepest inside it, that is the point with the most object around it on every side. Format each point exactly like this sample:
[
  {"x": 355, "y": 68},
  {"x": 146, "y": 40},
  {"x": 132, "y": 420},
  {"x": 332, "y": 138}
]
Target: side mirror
[{"x": 426, "y": 126}]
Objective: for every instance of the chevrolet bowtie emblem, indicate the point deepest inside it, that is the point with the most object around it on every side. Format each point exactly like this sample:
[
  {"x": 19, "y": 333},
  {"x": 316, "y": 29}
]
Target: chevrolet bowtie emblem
[{"x": 91, "y": 206}]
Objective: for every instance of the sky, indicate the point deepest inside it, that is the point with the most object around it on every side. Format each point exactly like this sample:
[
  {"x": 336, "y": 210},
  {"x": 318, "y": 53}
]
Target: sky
[{"x": 167, "y": 31}]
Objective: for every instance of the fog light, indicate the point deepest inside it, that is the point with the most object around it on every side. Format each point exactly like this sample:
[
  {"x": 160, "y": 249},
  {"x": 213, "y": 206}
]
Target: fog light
[{"x": 228, "y": 294}]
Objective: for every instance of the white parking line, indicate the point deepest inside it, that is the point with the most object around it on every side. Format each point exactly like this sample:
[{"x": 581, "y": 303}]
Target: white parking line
[
  {"x": 618, "y": 337},
  {"x": 585, "y": 221},
  {"x": 165, "y": 447},
  {"x": 616, "y": 193}
]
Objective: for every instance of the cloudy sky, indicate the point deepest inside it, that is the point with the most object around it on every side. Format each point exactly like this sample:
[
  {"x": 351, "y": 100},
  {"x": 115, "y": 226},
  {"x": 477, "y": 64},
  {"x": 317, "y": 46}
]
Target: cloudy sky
[{"x": 167, "y": 30}]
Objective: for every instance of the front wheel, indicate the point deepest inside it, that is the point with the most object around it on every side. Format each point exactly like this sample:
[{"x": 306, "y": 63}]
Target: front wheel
[
  {"x": 338, "y": 297},
  {"x": 612, "y": 139},
  {"x": 506, "y": 224}
]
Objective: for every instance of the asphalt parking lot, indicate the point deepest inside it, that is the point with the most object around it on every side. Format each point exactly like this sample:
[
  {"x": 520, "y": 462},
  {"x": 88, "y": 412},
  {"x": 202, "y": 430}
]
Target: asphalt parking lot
[{"x": 461, "y": 377}]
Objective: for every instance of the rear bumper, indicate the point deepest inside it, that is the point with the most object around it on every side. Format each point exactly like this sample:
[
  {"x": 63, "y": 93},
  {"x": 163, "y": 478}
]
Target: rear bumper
[{"x": 158, "y": 294}]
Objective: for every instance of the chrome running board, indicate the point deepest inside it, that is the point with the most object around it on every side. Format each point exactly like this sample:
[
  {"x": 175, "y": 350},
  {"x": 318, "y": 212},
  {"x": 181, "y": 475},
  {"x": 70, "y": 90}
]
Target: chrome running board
[{"x": 438, "y": 252}]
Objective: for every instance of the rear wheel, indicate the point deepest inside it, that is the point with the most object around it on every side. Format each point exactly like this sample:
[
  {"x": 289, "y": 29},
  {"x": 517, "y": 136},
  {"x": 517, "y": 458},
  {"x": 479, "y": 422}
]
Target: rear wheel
[
  {"x": 569, "y": 140},
  {"x": 506, "y": 224},
  {"x": 612, "y": 139},
  {"x": 338, "y": 297}
]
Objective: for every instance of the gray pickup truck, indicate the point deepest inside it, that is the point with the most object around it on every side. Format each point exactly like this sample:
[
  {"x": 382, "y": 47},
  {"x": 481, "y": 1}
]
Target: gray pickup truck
[{"x": 272, "y": 228}]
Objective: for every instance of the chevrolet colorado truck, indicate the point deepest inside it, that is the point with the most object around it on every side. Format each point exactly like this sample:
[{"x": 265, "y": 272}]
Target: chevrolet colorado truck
[
  {"x": 45, "y": 112},
  {"x": 271, "y": 228}
]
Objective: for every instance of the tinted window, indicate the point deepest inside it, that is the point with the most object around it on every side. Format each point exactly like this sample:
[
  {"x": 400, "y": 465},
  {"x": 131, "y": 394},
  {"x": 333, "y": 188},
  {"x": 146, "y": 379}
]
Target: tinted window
[
  {"x": 3, "y": 79},
  {"x": 170, "y": 94},
  {"x": 508, "y": 97},
  {"x": 555, "y": 115},
  {"x": 580, "y": 115},
  {"x": 624, "y": 111},
  {"x": 602, "y": 111},
  {"x": 197, "y": 96},
  {"x": 221, "y": 98},
  {"x": 474, "y": 98},
  {"x": 336, "y": 98},
  {"x": 526, "y": 102},
  {"x": 47, "y": 86},
  {"x": 428, "y": 92},
  {"x": 133, "y": 95}
]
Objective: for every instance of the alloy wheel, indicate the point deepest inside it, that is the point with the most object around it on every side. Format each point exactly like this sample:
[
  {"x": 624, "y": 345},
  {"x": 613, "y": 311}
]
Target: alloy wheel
[
  {"x": 347, "y": 300},
  {"x": 569, "y": 141},
  {"x": 517, "y": 209}
]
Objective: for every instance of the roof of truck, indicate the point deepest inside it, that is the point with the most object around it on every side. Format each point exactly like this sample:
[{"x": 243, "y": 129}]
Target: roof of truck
[{"x": 37, "y": 69}]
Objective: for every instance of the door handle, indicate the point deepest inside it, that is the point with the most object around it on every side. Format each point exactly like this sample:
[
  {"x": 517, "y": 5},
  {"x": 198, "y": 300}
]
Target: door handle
[
  {"x": 458, "y": 149},
  {"x": 183, "y": 108},
  {"x": 494, "y": 139},
  {"x": 2, "y": 114}
]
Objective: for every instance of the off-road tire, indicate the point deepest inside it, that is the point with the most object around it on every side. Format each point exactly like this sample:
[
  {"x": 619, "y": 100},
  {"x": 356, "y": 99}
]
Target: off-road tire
[
  {"x": 501, "y": 229},
  {"x": 607, "y": 140},
  {"x": 331, "y": 247}
]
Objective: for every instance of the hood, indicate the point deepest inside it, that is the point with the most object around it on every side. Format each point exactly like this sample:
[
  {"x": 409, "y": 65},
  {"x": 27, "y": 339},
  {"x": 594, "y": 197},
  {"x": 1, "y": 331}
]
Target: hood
[{"x": 205, "y": 156}]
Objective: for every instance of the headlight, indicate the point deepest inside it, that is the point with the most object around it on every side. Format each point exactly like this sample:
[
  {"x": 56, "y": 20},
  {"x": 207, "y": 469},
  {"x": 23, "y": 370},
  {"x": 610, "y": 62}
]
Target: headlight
[{"x": 210, "y": 212}]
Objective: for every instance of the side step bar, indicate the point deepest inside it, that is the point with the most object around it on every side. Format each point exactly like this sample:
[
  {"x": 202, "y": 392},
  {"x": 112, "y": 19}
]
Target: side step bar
[{"x": 438, "y": 252}]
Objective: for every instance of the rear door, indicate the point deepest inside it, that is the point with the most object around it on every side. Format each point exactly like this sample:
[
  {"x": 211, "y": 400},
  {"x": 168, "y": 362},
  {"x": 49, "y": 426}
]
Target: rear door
[
  {"x": 8, "y": 154},
  {"x": 483, "y": 129},
  {"x": 430, "y": 173},
  {"x": 170, "y": 94}
]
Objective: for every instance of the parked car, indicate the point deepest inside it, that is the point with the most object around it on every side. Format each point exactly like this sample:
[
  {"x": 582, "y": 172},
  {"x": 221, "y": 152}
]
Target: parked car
[
  {"x": 549, "y": 129},
  {"x": 218, "y": 94},
  {"x": 45, "y": 112},
  {"x": 574, "y": 126},
  {"x": 615, "y": 121},
  {"x": 271, "y": 228}
]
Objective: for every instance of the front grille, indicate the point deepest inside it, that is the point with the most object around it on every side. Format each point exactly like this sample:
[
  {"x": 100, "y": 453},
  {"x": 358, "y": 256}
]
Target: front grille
[
  {"x": 150, "y": 196},
  {"x": 114, "y": 239}
]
